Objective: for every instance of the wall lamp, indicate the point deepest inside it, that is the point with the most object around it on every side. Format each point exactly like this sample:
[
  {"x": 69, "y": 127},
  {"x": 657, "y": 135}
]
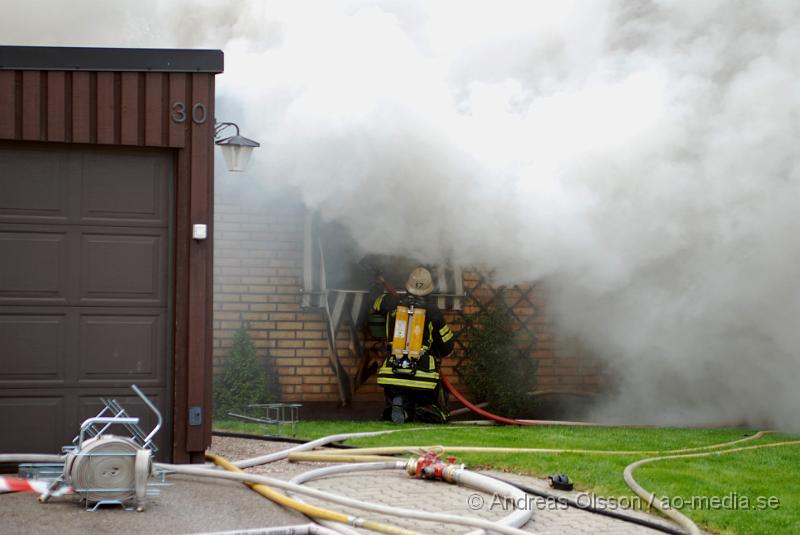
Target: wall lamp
[{"x": 236, "y": 149}]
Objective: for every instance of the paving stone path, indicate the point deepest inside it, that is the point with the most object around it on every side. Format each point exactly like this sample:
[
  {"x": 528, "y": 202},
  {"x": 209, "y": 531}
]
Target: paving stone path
[{"x": 396, "y": 488}]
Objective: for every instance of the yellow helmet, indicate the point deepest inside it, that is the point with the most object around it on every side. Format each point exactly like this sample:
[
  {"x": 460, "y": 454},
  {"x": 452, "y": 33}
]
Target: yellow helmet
[{"x": 420, "y": 282}]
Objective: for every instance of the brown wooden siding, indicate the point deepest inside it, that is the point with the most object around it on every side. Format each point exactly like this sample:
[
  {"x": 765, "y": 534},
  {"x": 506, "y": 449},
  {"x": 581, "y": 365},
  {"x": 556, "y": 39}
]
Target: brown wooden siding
[
  {"x": 135, "y": 109},
  {"x": 129, "y": 108}
]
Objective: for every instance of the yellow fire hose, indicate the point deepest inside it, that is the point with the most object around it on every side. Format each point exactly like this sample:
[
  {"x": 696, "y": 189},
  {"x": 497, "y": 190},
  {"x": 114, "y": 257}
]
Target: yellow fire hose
[
  {"x": 366, "y": 454},
  {"x": 310, "y": 510}
]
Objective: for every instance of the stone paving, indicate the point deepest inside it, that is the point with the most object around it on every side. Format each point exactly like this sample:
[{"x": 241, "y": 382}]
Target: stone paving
[{"x": 396, "y": 488}]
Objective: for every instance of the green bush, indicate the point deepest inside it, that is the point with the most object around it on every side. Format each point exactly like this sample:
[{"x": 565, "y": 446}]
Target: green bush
[
  {"x": 244, "y": 380},
  {"x": 494, "y": 368}
]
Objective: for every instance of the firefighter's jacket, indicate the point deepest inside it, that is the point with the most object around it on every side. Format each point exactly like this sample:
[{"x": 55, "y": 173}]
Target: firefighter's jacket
[{"x": 437, "y": 343}]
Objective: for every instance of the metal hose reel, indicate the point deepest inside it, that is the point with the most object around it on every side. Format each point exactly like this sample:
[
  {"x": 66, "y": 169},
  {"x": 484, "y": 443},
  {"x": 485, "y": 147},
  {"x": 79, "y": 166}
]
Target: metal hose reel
[
  {"x": 110, "y": 469},
  {"x": 107, "y": 468}
]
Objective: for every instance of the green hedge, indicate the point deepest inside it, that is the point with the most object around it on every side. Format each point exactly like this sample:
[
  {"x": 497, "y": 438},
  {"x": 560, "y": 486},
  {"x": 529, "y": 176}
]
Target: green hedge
[{"x": 494, "y": 368}]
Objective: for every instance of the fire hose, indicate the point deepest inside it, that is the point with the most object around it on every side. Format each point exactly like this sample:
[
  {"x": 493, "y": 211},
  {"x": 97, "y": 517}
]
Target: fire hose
[
  {"x": 267, "y": 482},
  {"x": 362, "y": 454},
  {"x": 110, "y": 448},
  {"x": 317, "y": 512},
  {"x": 30, "y": 458},
  {"x": 518, "y": 518},
  {"x": 304, "y": 529},
  {"x": 299, "y": 453},
  {"x": 280, "y": 455},
  {"x": 351, "y": 454},
  {"x": 683, "y": 520},
  {"x": 262, "y": 485},
  {"x": 497, "y": 418}
]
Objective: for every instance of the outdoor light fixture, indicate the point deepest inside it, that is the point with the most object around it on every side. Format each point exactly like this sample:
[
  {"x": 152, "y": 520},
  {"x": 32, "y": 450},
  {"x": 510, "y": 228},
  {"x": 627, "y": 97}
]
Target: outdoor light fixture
[{"x": 235, "y": 149}]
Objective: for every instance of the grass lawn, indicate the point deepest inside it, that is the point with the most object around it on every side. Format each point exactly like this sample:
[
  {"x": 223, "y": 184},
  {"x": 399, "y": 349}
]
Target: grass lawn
[{"x": 757, "y": 491}]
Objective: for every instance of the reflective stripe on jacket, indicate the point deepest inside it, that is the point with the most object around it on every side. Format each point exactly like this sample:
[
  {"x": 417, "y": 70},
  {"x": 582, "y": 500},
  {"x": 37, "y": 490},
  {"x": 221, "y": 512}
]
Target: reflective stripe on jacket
[{"x": 422, "y": 379}]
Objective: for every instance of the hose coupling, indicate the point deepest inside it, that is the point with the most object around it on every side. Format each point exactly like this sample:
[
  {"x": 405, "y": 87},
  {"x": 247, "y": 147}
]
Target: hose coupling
[{"x": 431, "y": 466}]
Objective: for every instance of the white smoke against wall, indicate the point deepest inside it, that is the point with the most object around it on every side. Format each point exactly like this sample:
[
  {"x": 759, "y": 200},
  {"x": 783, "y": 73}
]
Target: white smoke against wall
[{"x": 641, "y": 157}]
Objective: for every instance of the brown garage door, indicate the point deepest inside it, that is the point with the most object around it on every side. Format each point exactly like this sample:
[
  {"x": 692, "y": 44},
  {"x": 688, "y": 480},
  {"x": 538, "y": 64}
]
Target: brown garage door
[{"x": 84, "y": 279}]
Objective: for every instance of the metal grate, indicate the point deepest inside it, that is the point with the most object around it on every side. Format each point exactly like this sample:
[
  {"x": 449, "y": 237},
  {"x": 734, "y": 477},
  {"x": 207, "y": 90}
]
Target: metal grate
[{"x": 271, "y": 414}]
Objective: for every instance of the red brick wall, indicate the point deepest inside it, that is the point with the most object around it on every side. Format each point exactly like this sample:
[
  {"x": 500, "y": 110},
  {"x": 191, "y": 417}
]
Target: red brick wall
[{"x": 258, "y": 266}]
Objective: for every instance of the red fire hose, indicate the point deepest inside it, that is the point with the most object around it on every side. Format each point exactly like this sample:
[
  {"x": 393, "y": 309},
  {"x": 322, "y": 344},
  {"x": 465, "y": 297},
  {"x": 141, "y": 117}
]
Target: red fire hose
[{"x": 486, "y": 414}]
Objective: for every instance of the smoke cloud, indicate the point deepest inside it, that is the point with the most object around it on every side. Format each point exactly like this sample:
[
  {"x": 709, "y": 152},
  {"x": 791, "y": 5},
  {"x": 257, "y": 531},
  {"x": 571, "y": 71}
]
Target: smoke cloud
[{"x": 640, "y": 157}]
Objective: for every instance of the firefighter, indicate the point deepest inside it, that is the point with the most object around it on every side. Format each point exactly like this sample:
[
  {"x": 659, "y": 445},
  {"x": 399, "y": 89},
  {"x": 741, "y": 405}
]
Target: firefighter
[{"x": 417, "y": 339}]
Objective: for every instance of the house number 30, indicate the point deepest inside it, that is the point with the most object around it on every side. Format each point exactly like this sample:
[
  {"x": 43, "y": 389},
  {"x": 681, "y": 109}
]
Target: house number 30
[{"x": 180, "y": 113}]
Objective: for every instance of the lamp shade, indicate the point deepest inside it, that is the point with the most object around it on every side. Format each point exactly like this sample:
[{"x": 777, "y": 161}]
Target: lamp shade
[{"x": 236, "y": 150}]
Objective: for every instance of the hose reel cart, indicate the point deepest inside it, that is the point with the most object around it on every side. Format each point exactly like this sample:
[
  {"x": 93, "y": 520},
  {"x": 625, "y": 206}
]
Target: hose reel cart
[{"x": 104, "y": 468}]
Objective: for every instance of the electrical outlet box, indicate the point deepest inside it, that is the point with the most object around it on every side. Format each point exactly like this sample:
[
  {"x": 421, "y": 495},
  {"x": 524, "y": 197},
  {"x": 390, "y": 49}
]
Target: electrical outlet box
[
  {"x": 199, "y": 232},
  {"x": 195, "y": 416}
]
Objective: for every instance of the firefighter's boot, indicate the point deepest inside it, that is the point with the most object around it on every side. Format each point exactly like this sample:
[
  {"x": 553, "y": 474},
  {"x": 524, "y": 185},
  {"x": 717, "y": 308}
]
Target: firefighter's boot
[{"x": 398, "y": 412}]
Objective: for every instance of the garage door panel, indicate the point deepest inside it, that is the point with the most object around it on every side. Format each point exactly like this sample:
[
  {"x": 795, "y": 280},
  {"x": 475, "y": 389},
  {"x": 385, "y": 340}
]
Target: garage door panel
[
  {"x": 32, "y": 188},
  {"x": 118, "y": 347},
  {"x": 84, "y": 270},
  {"x": 122, "y": 269},
  {"x": 34, "y": 348},
  {"x": 44, "y": 421},
  {"x": 124, "y": 188},
  {"x": 35, "y": 268},
  {"x": 33, "y": 423}
]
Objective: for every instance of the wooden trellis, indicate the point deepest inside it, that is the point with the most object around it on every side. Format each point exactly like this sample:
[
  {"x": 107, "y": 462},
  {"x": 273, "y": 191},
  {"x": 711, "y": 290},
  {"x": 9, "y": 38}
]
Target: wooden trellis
[{"x": 480, "y": 296}]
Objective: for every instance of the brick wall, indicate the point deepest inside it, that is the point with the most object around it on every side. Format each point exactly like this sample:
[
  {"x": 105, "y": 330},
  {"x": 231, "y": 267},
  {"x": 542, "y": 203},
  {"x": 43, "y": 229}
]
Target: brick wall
[
  {"x": 258, "y": 266},
  {"x": 258, "y": 257}
]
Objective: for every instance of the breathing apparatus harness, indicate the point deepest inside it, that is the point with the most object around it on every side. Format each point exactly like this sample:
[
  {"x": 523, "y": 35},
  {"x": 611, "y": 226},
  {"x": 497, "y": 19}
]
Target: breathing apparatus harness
[
  {"x": 406, "y": 348},
  {"x": 409, "y": 325}
]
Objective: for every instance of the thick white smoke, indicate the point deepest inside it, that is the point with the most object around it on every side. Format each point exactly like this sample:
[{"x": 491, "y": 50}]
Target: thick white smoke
[{"x": 641, "y": 157}]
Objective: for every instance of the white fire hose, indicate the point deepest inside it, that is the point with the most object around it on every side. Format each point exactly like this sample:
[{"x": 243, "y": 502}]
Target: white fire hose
[
  {"x": 377, "y": 508},
  {"x": 111, "y": 468},
  {"x": 17, "y": 458},
  {"x": 518, "y": 518},
  {"x": 283, "y": 454},
  {"x": 303, "y": 529}
]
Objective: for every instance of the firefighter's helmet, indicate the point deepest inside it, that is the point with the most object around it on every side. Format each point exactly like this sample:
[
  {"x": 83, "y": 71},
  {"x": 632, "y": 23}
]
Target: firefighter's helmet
[{"x": 420, "y": 282}]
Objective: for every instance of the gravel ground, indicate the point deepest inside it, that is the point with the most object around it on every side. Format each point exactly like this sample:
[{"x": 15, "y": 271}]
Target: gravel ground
[{"x": 236, "y": 449}]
